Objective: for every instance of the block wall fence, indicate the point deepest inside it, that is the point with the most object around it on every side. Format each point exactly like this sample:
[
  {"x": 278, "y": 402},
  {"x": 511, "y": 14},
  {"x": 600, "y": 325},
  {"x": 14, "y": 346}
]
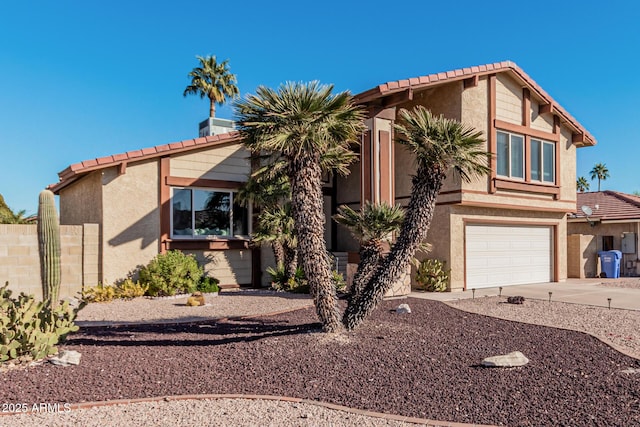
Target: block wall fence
[{"x": 20, "y": 258}]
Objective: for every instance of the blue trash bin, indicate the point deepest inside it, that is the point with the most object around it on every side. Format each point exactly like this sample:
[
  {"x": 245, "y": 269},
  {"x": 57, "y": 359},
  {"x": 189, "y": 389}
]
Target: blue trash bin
[{"x": 610, "y": 263}]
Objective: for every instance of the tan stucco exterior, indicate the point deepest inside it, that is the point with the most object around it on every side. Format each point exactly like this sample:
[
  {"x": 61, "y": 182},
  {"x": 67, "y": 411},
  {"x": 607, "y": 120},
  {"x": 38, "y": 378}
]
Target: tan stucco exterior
[
  {"x": 126, "y": 203},
  {"x": 483, "y": 200}
]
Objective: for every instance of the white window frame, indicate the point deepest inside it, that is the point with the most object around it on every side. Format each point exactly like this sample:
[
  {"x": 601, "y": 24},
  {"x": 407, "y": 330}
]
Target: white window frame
[
  {"x": 542, "y": 159},
  {"x": 510, "y": 163},
  {"x": 231, "y": 235}
]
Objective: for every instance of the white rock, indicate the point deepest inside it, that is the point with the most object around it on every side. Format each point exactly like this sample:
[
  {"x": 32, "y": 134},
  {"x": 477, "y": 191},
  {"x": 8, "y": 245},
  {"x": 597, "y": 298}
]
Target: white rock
[
  {"x": 66, "y": 358},
  {"x": 403, "y": 309},
  {"x": 506, "y": 360},
  {"x": 630, "y": 371}
]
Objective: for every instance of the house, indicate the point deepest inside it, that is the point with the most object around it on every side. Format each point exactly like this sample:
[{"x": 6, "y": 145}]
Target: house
[
  {"x": 604, "y": 221},
  {"x": 507, "y": 228},
  {"x": 174, "y": 196}
]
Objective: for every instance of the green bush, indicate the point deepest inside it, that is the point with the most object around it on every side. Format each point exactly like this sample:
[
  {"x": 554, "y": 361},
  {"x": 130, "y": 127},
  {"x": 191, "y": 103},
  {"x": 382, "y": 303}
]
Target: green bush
[
  {"x": 279, "y": 282},
  {"x": 298, "y": 283},
  {"x": 208, "y": 284},
  {"x": 30, "y": 329},
  {"x": 431, "y": 276},
  {"x": 171, "y": 273}
]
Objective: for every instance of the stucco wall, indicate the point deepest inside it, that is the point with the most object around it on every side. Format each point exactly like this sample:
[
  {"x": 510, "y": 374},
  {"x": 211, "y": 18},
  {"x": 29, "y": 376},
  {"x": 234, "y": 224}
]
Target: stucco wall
[
  {"x": 227, "y": 163},
  {"x": 475, "y": 113},
  {"x": 582, "y": 256},
  {"x": 81, "y": 202},
  {"x": 508, "y": 99},
  {"x": 610, "y": 229},
  {"x": 131, "y": 221},
  {"x": 231, "y": 267}
]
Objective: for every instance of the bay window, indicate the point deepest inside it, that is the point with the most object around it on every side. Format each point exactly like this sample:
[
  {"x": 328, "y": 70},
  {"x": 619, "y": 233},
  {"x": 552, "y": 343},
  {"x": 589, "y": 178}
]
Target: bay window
[{"x": 202, "y": 213}]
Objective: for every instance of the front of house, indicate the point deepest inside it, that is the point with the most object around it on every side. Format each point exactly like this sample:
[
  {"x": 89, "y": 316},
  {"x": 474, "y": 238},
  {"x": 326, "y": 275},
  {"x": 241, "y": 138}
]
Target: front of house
[{"x": 507, "y": 228}]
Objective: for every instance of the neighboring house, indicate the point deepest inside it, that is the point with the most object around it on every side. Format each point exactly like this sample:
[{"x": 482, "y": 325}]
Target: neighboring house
[
  {"x": 613, "y": 223},
  {"x": 507, "y": 228}
]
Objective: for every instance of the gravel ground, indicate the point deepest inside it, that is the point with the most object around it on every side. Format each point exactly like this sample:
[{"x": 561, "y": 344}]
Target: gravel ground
[
  {"x": 219, "y": 412},
  {"x": 228, "y": 303},
  {"x": 626, "y": 282},
  {"x": 618, "y": 328},
  {"x": 420, "y": 365}
]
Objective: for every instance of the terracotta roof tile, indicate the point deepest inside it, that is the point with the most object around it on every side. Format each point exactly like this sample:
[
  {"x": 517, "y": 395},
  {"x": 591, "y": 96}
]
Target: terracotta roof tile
[
  {"x": 76, "y": 170},
  {"x": 609, "y": 205},
  {"x": 389, "y": 88},
  {"x": 104, "y": 160}
]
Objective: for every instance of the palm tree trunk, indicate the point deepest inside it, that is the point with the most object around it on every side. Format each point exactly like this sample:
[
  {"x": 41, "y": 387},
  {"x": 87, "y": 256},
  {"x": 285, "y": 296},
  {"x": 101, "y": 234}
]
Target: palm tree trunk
[
  {"x": 426, "y": 186},
  {"x": 290, "y": 261},
  {"x": 278, "y": 252},
  {"x": 307, "y": 204},
  {"x": 212, "y": 108},
  {"x": 370, "y": 258}
]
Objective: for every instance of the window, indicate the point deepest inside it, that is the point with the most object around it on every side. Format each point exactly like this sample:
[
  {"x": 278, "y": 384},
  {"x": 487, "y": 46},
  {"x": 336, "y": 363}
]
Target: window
[
  {"x": 542, "y": 161},
  {"x": 198, "y": 213},
  {"x": 510, "y": 155}
]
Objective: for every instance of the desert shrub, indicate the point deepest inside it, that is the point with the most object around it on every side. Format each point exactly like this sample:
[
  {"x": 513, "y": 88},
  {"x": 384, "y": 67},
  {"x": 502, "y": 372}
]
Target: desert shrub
[
  {"x": 432, "y": 276},
  {"x": 32, "y": 329},
  {"x": 99, "y": 293},
  {"x": 338, "y": 281},
  {"x": 105, "y": 293},
  {"x": 279, "y": 282},
  {"x": 208, "y": 284},
  {"x": 171, "y": 273},
  {"x": 298, "y": 283},
  {"x": 130, "y": 289}
]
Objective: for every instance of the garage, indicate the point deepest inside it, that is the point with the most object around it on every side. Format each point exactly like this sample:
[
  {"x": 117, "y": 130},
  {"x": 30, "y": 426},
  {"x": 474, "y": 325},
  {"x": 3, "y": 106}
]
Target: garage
[{"x": 502, "y": 255}]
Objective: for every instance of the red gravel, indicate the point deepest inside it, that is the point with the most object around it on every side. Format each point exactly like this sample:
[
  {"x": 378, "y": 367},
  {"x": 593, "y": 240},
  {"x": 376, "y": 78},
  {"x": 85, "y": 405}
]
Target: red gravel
[{"x": 424, "y": 364}]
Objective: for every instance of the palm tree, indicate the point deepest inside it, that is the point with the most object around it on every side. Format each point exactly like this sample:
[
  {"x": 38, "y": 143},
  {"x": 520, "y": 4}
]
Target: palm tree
[
  {"x": 372, "y": 226},
  {"x": 439, "y": 146},
  {"x": 300, "y": 121},
  {"x": 582, "y": 184},
  {"x": 276, "y": 226},
  {"x": 213, "y": 80},
  {"x": 601, "y": 172}
]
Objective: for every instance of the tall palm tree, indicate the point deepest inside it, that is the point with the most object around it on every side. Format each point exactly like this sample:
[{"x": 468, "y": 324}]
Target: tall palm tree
[
  {"x": 301, "y": 121},
  {"x": 439, "y": 146},
  {"x": 601, "y": 172},
  {"x": 372, "y": 226},
  {"x": 213, "y": 80},
  {"x": 582, "y": 184}
]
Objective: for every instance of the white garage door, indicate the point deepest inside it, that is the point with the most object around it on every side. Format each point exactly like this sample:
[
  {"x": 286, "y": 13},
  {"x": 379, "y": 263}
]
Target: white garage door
[{"x": 507, "y": 255}]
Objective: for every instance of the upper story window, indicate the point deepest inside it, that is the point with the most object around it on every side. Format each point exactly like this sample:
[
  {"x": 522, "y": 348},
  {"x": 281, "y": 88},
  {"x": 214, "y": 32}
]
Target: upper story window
[
  {"x": 510, "y": 155},
  {"x": 200, "y": 213},
  {"x": 542, "y": 161},
  {"x": 512, "y": 162}
]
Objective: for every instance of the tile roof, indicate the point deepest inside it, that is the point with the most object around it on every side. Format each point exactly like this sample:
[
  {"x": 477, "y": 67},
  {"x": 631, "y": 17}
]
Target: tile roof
[
  {"x": 77, "y": 170},
  {"x": 609, "y": 205},
  {"x": 377, "y": 93}
]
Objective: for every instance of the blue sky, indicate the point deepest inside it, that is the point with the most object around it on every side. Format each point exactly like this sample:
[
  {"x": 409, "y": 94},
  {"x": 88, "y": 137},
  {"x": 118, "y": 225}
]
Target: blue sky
[{"x": 83, "y": 79}]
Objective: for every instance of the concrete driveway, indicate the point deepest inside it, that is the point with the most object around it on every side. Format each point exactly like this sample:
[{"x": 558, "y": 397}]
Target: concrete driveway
[{"x": 575, "y": 291}]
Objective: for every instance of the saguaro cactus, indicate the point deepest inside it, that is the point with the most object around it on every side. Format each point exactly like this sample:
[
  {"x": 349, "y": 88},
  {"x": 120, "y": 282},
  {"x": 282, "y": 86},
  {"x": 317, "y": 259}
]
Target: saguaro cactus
[{"x": 49, "y": 241}]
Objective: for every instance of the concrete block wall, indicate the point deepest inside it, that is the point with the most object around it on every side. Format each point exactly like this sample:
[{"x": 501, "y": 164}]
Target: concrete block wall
[{"x": 20, "y": 258}]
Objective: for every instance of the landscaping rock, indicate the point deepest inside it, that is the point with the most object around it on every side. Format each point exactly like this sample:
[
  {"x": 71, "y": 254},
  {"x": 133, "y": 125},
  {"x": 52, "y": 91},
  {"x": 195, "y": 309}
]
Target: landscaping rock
[
  {"x": 506, "y": 360},
  {"x": 403, "y": 309},
  {"x": 630, "y": 371},
  {"x": 515, "y": 300},
  {"x": 66, "y": 358}
]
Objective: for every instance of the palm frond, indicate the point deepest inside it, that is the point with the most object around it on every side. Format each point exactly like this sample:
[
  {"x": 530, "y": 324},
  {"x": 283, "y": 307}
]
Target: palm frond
[
  {"x": 443, "y": 143},
  {"x": 373, "y": 222}
]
